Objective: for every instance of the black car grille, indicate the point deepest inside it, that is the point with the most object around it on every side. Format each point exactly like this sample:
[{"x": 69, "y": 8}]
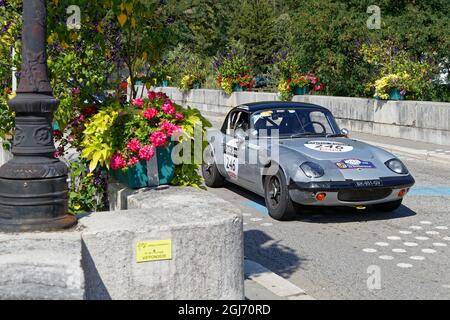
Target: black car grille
[{"x": 364, "y": 195}]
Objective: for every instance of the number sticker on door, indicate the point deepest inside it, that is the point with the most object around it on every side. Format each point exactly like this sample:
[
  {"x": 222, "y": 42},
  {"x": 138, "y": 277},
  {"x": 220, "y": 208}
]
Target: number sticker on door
[{"x": 231, "y": 160}]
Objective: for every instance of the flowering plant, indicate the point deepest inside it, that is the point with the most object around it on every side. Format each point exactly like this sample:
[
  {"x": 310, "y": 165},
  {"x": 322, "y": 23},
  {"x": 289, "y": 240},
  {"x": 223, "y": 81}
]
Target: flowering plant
[
  {"x": 310, "y": 81},
  {"x": 120, "y": 137},
  {"x": 233, "y": 70},
  {"x": 386, "y": 84}
]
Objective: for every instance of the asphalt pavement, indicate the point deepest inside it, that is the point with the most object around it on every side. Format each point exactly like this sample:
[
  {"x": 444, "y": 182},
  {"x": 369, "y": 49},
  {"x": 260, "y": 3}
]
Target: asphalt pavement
[{"x": 349, "y": 254}]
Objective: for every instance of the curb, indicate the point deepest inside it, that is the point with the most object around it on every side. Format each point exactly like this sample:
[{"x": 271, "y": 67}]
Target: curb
[
  {"x": 273, "y": 282},
  {"x": 423, "y": 155}
]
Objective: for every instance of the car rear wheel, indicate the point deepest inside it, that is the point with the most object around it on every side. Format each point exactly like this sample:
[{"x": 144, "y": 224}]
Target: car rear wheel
[
  {"x": 278, "y": 201},
  {"x": 388, "y": 206},
  {"x": 211, "y": 174}
]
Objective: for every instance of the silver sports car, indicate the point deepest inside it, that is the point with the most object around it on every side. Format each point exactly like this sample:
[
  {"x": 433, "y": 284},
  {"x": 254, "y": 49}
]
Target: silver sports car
[{"x": 295, "y": 155}]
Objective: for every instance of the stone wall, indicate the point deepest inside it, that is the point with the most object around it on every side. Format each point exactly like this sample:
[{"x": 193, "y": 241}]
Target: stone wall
[
  {"x": 98, "y": 260},
  {"x": 413, "y": 120}
]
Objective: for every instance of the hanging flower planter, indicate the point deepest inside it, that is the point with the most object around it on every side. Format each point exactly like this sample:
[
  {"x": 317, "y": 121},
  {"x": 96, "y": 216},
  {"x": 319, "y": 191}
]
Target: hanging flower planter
[
  {"x": 160, "y": 170},
  {"x": 238, "y": 88},
  {"x": 395, "y": 95},
  {"x": 299, "y": 91}
]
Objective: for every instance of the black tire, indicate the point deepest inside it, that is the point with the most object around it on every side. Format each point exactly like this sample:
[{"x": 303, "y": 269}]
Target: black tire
[
  {"x": 278, "y": 201},
  {"x": 210, "y": 173},
  {"x": 388, "y": 206}
]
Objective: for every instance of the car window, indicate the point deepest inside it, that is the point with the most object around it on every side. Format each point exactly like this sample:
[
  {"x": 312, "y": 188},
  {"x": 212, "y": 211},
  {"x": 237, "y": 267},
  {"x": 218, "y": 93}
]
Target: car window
[
  {"x": 292, "y": 121},
  {"x": 237, "y": 120}
]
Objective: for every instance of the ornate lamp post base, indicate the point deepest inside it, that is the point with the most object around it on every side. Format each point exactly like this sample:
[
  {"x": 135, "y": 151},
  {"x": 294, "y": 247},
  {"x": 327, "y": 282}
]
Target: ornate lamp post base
[{"x": 33, "y": 185}]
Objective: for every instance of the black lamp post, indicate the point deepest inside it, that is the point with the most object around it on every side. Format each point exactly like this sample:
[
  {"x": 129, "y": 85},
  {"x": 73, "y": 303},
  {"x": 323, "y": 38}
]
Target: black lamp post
[{"x": 33, "y": 185}]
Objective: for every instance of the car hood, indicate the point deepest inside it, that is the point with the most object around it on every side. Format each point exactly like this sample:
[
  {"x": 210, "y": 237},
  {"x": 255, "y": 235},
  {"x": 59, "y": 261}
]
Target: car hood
[{"x": 329, "y": 148}]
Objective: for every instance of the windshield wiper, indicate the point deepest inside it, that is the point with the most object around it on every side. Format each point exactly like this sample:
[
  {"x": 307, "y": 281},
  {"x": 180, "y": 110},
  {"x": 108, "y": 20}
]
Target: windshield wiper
[
  {"x": 307, "y": 134},
  {"x": 336, "y": 135}
]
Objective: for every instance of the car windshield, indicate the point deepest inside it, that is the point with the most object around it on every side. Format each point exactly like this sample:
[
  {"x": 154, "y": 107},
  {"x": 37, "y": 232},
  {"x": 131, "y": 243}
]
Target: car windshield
[{"x": 293, "y": 122}]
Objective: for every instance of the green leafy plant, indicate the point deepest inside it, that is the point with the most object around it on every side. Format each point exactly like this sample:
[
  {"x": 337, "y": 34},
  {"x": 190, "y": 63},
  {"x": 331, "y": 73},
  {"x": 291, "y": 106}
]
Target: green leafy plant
[
  {"x": 233, "y": 69},
  {"x": 87, "y": 190}
]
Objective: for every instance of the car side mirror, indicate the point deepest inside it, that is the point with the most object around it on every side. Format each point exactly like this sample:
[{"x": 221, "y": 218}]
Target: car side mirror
[{"x": 345, "y": 132}]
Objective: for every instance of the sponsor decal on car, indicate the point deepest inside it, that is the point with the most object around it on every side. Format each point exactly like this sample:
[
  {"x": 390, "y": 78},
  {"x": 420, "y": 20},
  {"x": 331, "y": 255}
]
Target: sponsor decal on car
[
  {"x": 329, "y": 146},
  {"x": 354, "y": 164}
]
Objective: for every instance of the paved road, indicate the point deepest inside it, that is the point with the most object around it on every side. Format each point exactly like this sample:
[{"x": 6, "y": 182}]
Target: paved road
[{"x": 328, "y": 253}]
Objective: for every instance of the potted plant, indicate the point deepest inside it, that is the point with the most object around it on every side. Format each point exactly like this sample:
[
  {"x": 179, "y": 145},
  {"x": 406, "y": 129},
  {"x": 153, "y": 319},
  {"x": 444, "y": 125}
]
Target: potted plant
[
  {"x": 127, "y": 140},
  {"x": 233, "y": 71},
  {"x": 391, "y": 86}
]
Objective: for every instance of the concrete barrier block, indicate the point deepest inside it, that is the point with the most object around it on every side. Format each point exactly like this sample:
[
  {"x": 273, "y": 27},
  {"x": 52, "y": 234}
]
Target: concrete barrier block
[
  {"x": 433, "y": 115},
  {"x": 38, "y": 266},
  {"x": 207, "y": 248}
]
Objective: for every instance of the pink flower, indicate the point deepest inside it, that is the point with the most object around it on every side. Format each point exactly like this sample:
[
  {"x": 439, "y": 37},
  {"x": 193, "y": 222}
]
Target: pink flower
[
  {"x": 179, "y": 116},
  {"x": 134, "y": 145},
  {"x": 76, "y": 90},
  {"x": 168, "y": 107},
  {"x": 150, "y": 113},
  {"x": 146, "y": 153},
  {"x": 161, "y": 95},
  {"x": 133, "y": 161},
  {"x": 139, "y": 102},
  {"x": 117, "y": 162},
  {"x": 170, "y": 128},
  {"x": 158, "y": 139},
  {"x": 151, "y": 95}
]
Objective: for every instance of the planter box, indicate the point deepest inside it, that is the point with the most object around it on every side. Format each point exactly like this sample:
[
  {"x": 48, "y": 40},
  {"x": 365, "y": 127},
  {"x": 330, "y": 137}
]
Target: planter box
[
  {"x": 395, "y": 95},
  {"x": 158, "y": 171},
  {"x": 301, "y": 91}
]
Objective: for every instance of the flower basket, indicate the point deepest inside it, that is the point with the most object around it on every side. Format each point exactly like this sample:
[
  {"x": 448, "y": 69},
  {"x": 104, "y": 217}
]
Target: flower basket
[
  {"x": 196, "y": 86},
  {"x": 395, "y": 95},
  {"x": 238, "y": 88},
  {"x": 164, "y": 83},
  {"x": 299, "y": 91},
  {"x": 158, "y": 171}
]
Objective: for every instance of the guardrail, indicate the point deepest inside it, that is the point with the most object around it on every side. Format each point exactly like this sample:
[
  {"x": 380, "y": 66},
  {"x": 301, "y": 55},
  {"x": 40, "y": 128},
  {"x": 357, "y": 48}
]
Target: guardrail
[{"x": 413, "y": 120}]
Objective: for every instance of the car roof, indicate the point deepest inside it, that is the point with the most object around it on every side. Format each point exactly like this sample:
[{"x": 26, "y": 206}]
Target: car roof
[{"x": 263, "y": 105}]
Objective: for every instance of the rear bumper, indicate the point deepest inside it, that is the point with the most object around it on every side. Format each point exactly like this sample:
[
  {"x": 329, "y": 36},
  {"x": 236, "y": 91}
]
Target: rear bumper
[{"x": 346, "y": 193}]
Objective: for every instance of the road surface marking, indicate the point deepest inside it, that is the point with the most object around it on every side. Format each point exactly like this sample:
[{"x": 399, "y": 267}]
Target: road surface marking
[
  {"x": 432, "y": 232},
  {"x": 410, "y": 244},
  {"x": 405, "y": 232},
  {"x": 382, "y": 244},
  {"x": 258, "y": 207},
  {"x": 272, "y": 282},
  {"x": 386, "y": 257},
  {"x": 404, "y": 265},
  {"x": 416, "y": 227},
  {"x": 247, "y": 214},
  {"x": 439, "y": 244},
  {"x": 255, "y": 219},
  {"x": 267, "y": 224},
  {"x": 429, "y": 251},
  {"x": 417, "y": 258},
  {"x": 394, "y": 238},
  {"x": 446, "y": 238},
  {"x": 441, "y": 228},
  {"x": 370, "y": 250},
  {"x": 440, "y": 191},
  {"x": 399, "y": 250},
  {"x": 425, "y": 222},
  {"x": 422, "y": 238}
]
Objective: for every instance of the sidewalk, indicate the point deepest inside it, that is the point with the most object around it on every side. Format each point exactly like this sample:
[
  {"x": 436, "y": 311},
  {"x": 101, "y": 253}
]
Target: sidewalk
[{"x": 421, "y": 150}]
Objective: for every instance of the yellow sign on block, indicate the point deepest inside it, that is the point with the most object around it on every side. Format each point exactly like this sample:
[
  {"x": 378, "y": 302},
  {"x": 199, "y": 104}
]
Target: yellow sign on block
[{"x": 153, "y": 250}]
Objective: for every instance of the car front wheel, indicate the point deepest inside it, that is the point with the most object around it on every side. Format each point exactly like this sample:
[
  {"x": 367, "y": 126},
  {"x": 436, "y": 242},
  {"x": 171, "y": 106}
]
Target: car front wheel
[
  {"x": 388, "y": 206},
  {"x": 278, "y": 201},
  {"x": 211, "y": 174}
]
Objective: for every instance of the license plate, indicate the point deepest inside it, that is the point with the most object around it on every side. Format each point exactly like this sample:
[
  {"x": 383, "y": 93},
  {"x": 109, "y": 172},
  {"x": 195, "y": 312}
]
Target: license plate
[{"x": 368, "y": 183}]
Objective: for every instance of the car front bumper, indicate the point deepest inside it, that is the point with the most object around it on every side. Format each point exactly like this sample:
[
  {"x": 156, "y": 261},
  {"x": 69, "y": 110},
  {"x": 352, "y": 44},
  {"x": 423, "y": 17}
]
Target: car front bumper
[{"x": 347, "y": 193}]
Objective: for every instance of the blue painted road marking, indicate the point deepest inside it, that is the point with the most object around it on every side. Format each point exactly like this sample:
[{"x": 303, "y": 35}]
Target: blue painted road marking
[
  {"x": 430, "y": 191},
  {"x": 257, "y": 207}
]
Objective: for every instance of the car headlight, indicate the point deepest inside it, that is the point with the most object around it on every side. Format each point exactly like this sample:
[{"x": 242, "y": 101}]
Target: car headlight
[
  {"x": 312, "y": 170},
  {"x": 397, "y": 166}
]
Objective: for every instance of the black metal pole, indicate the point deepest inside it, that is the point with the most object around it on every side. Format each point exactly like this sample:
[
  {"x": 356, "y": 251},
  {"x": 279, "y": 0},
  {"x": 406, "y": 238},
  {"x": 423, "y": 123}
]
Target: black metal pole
[{"x": 33, "y": 185}]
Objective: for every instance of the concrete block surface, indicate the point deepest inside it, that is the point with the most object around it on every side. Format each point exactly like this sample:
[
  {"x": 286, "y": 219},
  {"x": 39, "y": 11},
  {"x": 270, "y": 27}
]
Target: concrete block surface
[
  {"x": 37, "y": 266},
  {"x": 207, "y": 248}
]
